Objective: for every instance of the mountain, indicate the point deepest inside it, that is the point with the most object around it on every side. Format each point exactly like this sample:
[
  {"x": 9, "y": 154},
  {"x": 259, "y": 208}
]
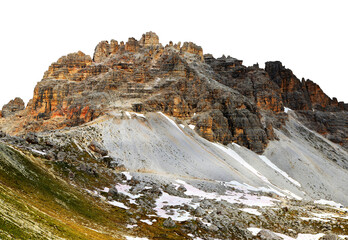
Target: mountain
[{"x": 165, "y": 142}]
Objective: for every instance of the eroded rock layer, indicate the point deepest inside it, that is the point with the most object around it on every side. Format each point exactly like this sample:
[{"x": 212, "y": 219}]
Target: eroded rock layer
[
  {"x": 227, "y": 101},
  {"x": 12, "y": 107}
]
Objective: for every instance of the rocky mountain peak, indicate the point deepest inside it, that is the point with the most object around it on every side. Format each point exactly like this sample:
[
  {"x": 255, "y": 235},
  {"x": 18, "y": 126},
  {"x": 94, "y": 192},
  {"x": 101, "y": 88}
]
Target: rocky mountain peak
[
  {"x": 12, "y": 107},
  {"x": 149, "y": 39},
  {"x": 225, "y": 100}
]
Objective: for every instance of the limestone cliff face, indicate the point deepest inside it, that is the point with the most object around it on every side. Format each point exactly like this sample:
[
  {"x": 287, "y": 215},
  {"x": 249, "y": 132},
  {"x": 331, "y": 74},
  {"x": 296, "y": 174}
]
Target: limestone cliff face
[
  {"x": 300, "y": 95},
  {"x": 12, "y": 107},
  {"x": 227, "y": 101},
  {"x": 144, "y": 76},
  {"x": 252, "y": 82}
]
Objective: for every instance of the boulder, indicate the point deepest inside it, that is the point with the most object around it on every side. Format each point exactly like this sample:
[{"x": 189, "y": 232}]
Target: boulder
[
  {"x": 31, "y": 138},
  {"x": 98, "y": 148},
  {"x": 329, "y": 237},
  {"x": 267, "y": 235},
  {"x": 169, "y": 223}
]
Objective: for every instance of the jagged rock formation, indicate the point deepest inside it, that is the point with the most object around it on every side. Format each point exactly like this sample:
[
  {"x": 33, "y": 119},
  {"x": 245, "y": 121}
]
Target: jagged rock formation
[
  {"x": 300, "y": 95},
  {"x": 12, "y": 107},
  {"x": 227, "y": 101},
  {"x": 318, "y": 111},
  {"x": 145, "y": 76},
  {"x": 152, "y": 173},
  {"x": 252, "y": 82}
]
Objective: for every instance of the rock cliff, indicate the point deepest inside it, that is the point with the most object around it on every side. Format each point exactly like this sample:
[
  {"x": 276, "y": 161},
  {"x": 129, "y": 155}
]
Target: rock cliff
[
  {"x": 227, "y": 101},
  {"x": 12, "y": 107}
]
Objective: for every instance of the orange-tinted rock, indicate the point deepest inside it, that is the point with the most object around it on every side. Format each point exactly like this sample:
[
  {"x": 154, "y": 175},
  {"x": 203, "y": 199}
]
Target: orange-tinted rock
[
  {"x": 12, "y": 107},
  {"x": 114, "y": 47},
  {"x": 227, "y": 101},
  {"x": 67, "y": 66},
  {"x": 213, "y": 126},
  {"x": 132, "y": 45},
  {"x": 149, "y": 39},
  {"x": 293, "y": 94},
  {"x": 317, "y": 96},
  {"x": 101, "y": 51},
  {"x": 299, "y": 95},
  {"x": 253, "y": 82},
  {"x": 192, "y": 48}
]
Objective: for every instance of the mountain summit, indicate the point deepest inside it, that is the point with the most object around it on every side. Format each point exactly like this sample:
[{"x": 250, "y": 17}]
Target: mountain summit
[
  {"x": 226, "y": 101},
  {"x": 165, "y": 142}
]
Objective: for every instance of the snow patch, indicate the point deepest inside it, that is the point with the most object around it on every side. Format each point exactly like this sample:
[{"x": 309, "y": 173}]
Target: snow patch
[
  {"x": 118, "y": 204},
  {"x": 309, "y": 236},
  {"x": 122, "y": 188},
  {"x": 147, "y": 221},
  {"x": 231, "y": 197},
  {"x": 284, "y": 174},
  {"x": 135, "y": 238},
  {"x": 286, "y": 110},
  {"x": 131, "y": 226},
  {"x": 170, "y": 120},
  {"x": 330, "y": 203},
  {"x": 235, "y": 156},
  {"x": 128, "y": 176},
  {"x": 254, "y": 231},
  {"x": 129, "y": 115},
  {"x": 38, "y": 152},
  {"x": 251, "y": 211},
  {"x": 192, "y": 126},
  {"x": 168, "y": 200}
]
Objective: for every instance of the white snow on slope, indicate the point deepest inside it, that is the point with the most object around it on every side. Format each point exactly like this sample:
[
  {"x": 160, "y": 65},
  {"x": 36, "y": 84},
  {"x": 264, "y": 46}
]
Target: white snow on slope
[
  {"x": 118, "y": 204},
  {"x": 122, "y": 188},
  {"x": 255, "y": 231},
  {"x": 269, "y": 163},
  {"x": 129, "y": 115},
  {"x": 235, "y": 155},
  {"x": 128, "y": 176},
  {"x": 135, "y": 238},
  {"x": 37, "y": 151},
  {"x": 192, "y": 126},
  {"x": 168, "y": 200},
  {"x": 286, "y": 110},
  {"x": 327, "y": 202},
  {"x": 231, "y": 197},
  {"x": 170, "y": 120},
  {"x": 147, "y": 221},
  {"x": 251, "y": 211}
]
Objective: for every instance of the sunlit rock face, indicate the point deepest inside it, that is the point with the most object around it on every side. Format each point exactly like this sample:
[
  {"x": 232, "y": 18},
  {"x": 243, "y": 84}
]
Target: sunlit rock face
[
  {"x": 12, "y": 107},
  {"x": 227, "y": 101}
]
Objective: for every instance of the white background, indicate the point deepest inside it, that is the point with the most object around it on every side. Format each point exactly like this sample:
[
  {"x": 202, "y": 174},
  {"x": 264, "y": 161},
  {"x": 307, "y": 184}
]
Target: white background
[{"x": 309, "y": 37}]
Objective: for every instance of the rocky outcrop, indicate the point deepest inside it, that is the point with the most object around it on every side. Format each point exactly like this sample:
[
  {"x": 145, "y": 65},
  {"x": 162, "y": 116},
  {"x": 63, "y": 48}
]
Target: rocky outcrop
[
  {"x": 149, "y": 39},
  {"x": 69, "y": 67},
  {"x": 300, "y": 95},
  {"x": 12, "y": 107},
  {"x": 227, "y": 101},
  {"x": 293, "y": 92},
  {"x": 333, "y": 125},
  {"x": 315, "y": 109},
  {"x": 192, "y": 48},
  {"x": 252, "y": 82},
  {"x": 144, "y": 76}
]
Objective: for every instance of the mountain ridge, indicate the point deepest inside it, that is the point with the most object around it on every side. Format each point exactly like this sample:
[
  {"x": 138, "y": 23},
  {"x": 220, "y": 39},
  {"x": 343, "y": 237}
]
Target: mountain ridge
[{"x": 145, "y": 76}]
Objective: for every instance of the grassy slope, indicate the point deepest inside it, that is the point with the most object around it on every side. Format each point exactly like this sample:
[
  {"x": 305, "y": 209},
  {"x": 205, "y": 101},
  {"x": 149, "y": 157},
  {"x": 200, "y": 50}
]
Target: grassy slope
[{"x": 36, "y": 205}]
